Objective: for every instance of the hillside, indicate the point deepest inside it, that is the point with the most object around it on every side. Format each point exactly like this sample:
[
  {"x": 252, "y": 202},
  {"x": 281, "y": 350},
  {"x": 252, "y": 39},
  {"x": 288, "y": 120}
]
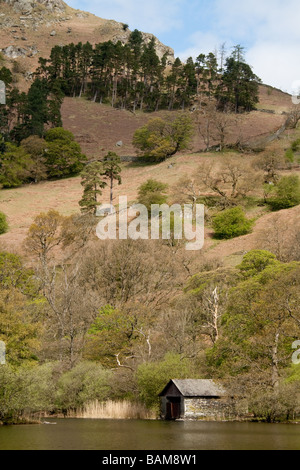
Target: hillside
[
  {"x": 29, "y": 30},
  {"x": 89, "y": 328},
  {"x": 98, "y": 128}
]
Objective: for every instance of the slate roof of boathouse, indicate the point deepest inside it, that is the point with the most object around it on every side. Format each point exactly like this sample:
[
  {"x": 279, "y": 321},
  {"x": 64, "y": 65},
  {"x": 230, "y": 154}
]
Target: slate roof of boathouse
[{"x": 196, "y": 388}]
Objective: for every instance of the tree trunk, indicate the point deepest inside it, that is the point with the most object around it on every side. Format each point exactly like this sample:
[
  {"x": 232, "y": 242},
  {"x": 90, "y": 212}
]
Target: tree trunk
[
  {"x": 111, "y": 194},
  {"x": 275, "y": 372}
]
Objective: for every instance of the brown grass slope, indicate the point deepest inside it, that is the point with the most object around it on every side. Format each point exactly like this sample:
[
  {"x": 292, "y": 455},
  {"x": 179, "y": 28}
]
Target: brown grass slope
[{"x": 98, "y": 128}]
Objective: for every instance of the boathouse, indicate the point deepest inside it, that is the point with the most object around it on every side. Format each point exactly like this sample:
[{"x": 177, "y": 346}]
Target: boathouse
[{"x": 196, "y": 400}]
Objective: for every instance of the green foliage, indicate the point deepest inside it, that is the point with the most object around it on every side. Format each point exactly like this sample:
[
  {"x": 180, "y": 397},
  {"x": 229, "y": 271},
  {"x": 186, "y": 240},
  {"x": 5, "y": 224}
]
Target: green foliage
[
  {"x": 111, "y": 167},
  {"x": 86, "y": 382},
  {"x": 260, "y": 326},
  {"x": 59, "y": 133},
  {"x": 63, "y": 154},
  {"x": 112, "y": 170},
  {"x": 34, "y": 110},
  {"x": 27, "y": 389},
  {"x": 160, "y": 139},
  {"x": 113, "y": 332},
  {"x": 16, "y": 166},
  {"x": 14, "y": 274},
  {"x": 152, "y": 377},
  {"x": 231, "y": 223},
  {"x": 3, "y": 223},
  {"x": 18, "y": 329},
  {"x": 276, "y": 405},
  {"x": 93, "y": 183},
  {"x": 295, "y": 147},
  {"x": 255, "y": 262},
  {"x": 6, "y": 76},
  {"x": 238, "y": 87},
  {"x": 37, "y": 159},
  {"x": 35, "y": 147},
  {"x": 44, "y": 234},
  {"x": 289, "y": 155},
  {"x": 294, "y": 374},
  {"x": 152, "y": 192},
  {"x": 37, "y": 107},
  {"x": 287, "y": 193}
]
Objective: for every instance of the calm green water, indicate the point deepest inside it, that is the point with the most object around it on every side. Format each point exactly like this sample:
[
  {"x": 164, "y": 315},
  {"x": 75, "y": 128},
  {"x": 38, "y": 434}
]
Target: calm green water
[{"x": 77, "y": 434}]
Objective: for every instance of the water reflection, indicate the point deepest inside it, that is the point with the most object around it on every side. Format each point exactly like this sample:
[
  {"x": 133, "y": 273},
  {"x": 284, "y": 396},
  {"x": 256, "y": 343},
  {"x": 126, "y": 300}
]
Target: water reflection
[{"x": 150, "y": 435}]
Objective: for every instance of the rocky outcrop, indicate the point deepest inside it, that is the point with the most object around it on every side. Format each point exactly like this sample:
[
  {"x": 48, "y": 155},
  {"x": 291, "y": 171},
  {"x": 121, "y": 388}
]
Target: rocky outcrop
[
  {"x": 51, "y": 18},
  {"x": 119, "y": 34},
  {"x": 14, "y": 52},
  {"x": 161, "y": 49},
  {"x": 27, "y": 6}
]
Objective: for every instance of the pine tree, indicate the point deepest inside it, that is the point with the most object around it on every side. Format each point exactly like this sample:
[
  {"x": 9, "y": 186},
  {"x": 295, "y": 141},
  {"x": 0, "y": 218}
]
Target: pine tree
[
  {"x": 92, "y": 182},
  {"x": 112, "y": 171},
  {"x": 238, "y": 86},
  {"x": 172, "y": 82}
]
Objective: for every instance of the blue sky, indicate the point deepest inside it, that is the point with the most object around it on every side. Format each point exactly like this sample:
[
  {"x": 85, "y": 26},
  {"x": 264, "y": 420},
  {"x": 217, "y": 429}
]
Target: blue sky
[{"x": 268, "y": 29}]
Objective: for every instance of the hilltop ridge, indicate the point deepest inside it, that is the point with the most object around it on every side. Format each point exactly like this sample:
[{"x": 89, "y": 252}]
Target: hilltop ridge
[{"x": 29, "y": 30}]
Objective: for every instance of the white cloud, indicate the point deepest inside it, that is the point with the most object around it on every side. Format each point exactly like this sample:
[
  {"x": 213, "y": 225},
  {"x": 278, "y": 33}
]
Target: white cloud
[
  {"x": 269, "y": 28},
  {"x": 201, "y": 43},
  {"x": 152, "y": 16},
  {"x": 275, "y": 64}
]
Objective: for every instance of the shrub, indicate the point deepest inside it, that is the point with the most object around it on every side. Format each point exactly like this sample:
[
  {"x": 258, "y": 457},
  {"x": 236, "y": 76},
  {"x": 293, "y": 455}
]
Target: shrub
[
  {"x": 16, "y": 166},
  {"x": 255, "y": 262},
  {"x": 152, "y": 377},
  {"x": 59, "y": 133},
  {"x": 231, "y": 223},
  {"x": 152, "y": 192},
  {"x": 86, "y": 382},
  {"x": 26, "y": 390},
  {"x": 3, "y": 223},
  {"x": 289, "y": 155},
  {"x": 160, "y": 139},
  {"x": 287, "y": 193},
  {"x": 295, "y": 145},
  {"x": 63, "y": 154}
]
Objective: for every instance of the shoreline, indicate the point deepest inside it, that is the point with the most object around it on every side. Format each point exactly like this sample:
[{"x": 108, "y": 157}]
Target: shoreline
[{"x": 23, "y": 422}]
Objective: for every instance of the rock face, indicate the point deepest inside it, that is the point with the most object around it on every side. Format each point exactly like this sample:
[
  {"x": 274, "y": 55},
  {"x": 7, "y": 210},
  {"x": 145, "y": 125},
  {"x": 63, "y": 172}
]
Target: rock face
[
  {"x": 161, "y": 49},
  {"x": 26, "y": 6},
  {"x": 118, "y": 34},
  {"x": 14, "y": 52}
]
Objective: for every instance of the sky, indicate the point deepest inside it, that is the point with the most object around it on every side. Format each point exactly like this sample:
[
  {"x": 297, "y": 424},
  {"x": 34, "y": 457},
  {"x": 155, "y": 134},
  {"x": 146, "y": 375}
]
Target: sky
[{"x": 268, "y": 29}]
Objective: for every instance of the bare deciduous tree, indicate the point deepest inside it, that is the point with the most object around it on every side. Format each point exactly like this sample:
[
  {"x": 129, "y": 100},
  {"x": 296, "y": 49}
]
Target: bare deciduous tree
[{"x": 229, "y": 180}]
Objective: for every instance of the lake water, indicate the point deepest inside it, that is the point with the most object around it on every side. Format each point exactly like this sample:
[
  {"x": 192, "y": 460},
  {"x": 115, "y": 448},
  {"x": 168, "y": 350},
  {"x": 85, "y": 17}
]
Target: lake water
[{"x": 82, "y": 434}]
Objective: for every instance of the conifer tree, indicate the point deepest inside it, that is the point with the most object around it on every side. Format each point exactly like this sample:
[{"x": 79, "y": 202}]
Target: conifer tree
[
  {"x": 112, "y": 171},
  {"x": 92, "y": 182},
  {"x": 238, "y": 86}
]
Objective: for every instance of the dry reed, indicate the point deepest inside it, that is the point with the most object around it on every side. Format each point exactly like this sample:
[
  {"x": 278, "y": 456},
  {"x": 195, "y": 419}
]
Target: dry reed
[{"x": 112, "y": 410}]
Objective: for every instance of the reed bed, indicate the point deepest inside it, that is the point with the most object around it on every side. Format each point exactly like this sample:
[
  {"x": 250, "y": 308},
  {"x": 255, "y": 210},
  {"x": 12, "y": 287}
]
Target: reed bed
[{"x": 112, "y": 410}]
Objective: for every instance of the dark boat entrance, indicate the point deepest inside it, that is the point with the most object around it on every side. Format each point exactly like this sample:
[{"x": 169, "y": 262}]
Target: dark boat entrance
[{"x": 173, "y": 410}]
